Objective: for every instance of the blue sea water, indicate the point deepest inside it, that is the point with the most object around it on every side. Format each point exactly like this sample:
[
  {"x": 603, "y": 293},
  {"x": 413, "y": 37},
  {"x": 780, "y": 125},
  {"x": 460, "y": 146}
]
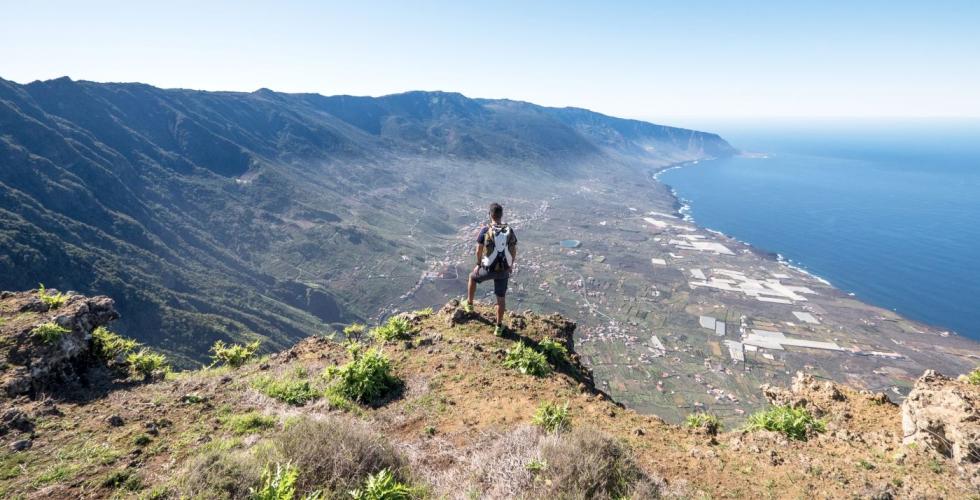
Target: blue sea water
[{"x": 888, "y": 211}]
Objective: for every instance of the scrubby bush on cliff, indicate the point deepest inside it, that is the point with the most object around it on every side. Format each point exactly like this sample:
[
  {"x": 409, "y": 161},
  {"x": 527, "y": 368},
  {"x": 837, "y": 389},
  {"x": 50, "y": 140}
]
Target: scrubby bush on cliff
[
  {"x": 48, "y": 333},
  {"x": 354, "y": 332},
  {"x": 552, "y": 418},
  {"x": 53, "y": 300},
  {"x": 794, "y": 423},
  {"x": 110, "y": 346},
  {"x": 586, "y": 463},
  {"x": 147, "y": 363},
  {"x": 367, "y": 377},
  {"x": 701, "y": 420},
  {"x": 526, "y": 360},
  {"x": 554, "y": 350},
  {"x": 233, "y": 355},
  {"x": 973, "y": 377},
  {"x": 336, "y": 455},
  {"x": 395, "y": 328}
]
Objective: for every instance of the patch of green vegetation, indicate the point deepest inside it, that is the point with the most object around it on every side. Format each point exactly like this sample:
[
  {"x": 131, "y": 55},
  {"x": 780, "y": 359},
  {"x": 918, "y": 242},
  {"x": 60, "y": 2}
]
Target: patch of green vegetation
[
  {"x": 56, "y": 474},
  {"x": 866, "y": 465},
  {"x": 366, "y": 378},
  {"x": 536, "y": 465},
  {"x": 554, "y": 350},
  {"x": 49, "y": 333},
  {"x": 233, "y": 355},
  {"x": 527, "y": 361},
  {"x": 249, "y": 423},
  {"x": 935, "y": 466},
  {"x": 146, "y": 362},
  {"x": 973, "y": 377},
  {"x": 12, "y": 465},
  {"x": 424, "y": 313},
  {"x": 794, "y": 423},
  {"x": 552, "y": 418},
  {"x": 53, "y": 300},
  {"x": 383, "y": 486},
  {"x": 193, "y": 398},
  {"x": 394, "y": 329},
  {"x": 110, "y": 346},
  {"x": 277, "y": 484},
  {"x": 123, "y": 479},
  {"x": 354, "y": 332},
  {"x": 142, "y": 440},
  {"x": 702, "y": 420},
  {"x": 289, "y": 391}
]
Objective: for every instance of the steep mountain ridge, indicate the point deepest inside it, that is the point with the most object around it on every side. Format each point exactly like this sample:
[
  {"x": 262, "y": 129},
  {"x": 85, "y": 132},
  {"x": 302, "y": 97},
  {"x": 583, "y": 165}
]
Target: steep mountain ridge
[{"x": 229, "y": 215}]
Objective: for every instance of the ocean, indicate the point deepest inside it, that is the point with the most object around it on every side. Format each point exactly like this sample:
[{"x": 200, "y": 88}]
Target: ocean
[{"x": 887, "y": 211}]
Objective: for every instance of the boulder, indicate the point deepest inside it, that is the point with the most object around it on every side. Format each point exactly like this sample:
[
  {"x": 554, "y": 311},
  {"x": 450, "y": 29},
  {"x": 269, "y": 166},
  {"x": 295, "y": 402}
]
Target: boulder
[{"x": 942, "y": 414}]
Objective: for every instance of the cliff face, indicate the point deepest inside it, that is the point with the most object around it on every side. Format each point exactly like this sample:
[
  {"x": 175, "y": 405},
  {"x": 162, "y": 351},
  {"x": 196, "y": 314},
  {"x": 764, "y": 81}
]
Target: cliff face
[{"x": 453, "y": 417}]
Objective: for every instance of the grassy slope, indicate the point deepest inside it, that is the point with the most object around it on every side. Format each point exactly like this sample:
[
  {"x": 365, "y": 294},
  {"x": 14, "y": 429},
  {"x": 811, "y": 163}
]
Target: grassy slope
[{"x": 458, "y": 399}]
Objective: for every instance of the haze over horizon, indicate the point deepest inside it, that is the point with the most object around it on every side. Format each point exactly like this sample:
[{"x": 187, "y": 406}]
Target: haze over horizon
[{"x": 656, "y": 61}]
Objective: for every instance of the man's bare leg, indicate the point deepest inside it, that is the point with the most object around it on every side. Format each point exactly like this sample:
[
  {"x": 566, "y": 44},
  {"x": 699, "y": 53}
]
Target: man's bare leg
[
  {"x": 470, "y": 292},
  {"x": 501, "y": 307}
]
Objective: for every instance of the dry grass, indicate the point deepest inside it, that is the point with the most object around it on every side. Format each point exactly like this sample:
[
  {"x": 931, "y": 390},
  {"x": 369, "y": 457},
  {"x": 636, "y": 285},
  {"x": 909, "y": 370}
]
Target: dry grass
[
  {"x": 589, "y": 464},
  {"x": 220, "y": 474},
  {"x": 336, "y": 454}
]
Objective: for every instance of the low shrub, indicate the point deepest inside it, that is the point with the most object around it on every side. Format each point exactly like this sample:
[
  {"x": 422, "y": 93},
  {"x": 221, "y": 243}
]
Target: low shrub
[
  {"x": 527, "y": 361},
  {"x": 218, "y": 473},
  {"x": 702, "y": 420},
  {"x": 974, "y": 377},
  {"x": 233, "y": 355},
  {"x": 336, "y": 454},
  {"x": 288, "y": 390},
  {"x": 366, "y": 378},
  {"x": 49, "y": 333},
  {"x": 589, "y": 464},
  {"x": 552, "y": 418},
  {"x": 794, "y": 423},
  {"x": 53, "y": 300},
  {"x": 147, "y": 363},
  {"x": 354, "y": 332},
  {"x": 249, "y": 423},
  {"x": 110, "y": 346},
  {"x": 395, "y": 328},
  {"x": 554, "y": 350},
  {"x": 383, "y": 486}
]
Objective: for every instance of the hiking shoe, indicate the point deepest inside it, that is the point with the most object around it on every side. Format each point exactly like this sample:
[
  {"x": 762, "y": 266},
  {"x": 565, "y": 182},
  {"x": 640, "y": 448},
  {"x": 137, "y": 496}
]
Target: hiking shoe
[
  {"x": 499, "y": 331},
  {"x": 467, "y": 307}
]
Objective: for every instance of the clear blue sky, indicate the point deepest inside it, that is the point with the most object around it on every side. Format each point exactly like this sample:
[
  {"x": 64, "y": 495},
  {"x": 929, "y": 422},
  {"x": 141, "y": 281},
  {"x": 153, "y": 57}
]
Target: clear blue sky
[{"x": 651, "y": 60}]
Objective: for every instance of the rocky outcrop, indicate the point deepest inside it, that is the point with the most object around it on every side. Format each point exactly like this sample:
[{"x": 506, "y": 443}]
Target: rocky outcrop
[
  {"x": 33, "y": 364},
  {"x": 942, "y": 414}
]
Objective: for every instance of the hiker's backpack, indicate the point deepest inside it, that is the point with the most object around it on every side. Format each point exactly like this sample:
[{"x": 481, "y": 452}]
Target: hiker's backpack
[{"x": 498, "y": 246}]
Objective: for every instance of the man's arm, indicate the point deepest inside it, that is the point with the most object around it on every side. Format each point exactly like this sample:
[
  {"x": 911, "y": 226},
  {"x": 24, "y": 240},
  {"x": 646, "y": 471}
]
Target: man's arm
[{"x": 479, "y": 253}]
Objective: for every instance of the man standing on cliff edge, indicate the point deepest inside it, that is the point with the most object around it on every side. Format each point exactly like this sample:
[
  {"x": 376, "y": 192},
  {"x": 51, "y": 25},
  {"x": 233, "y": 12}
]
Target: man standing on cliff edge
[{"x": 496, "y": 253}]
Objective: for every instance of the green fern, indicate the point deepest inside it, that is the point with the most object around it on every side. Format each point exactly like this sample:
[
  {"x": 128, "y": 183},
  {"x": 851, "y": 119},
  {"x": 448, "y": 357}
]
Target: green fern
[
  {"x": 552, "y": 418},
  {"x": 383, "y": 486},
  {"x": 794, "y": 423},
  {"x": 526, "y": 360},
  {"x": 234, "y": 355},
  {"x": 53, "y": 300},
  {"x": 395, "y": 328},
  {"x": 49, "y": 333}
]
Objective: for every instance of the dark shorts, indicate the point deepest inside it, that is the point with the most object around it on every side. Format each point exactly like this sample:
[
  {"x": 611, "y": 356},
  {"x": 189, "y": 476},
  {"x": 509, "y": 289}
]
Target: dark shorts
[{"x": 499, "y": 278}]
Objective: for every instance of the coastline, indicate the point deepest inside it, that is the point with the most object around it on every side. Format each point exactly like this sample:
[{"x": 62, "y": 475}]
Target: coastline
[{"x": 683, "y": 210}]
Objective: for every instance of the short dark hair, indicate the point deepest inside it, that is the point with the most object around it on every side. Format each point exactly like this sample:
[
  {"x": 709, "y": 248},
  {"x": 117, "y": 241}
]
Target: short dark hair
[{"x": 496, "y": 211}]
